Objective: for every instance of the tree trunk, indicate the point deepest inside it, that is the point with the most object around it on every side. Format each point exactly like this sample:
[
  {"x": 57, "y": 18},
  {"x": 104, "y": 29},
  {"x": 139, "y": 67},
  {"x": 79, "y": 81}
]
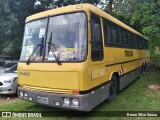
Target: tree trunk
[{"x": 110, "y": 6}]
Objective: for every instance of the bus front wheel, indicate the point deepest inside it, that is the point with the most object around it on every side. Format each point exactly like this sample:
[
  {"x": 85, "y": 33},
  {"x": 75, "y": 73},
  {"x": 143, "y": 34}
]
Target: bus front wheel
[{"x": 112, "y": 88}]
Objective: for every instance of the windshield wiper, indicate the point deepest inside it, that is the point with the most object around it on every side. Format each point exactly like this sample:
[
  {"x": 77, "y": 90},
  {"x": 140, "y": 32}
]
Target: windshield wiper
[
  {"x": 51, "y": 47},
  {"x": 29, "y": 58},
  {"x": 41, "y": 49}
]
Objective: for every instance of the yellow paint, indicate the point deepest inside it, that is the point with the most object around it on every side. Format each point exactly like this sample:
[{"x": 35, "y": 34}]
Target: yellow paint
[
  {"x": 51, "y": 77},
  {"x": 97, "y": 71}
]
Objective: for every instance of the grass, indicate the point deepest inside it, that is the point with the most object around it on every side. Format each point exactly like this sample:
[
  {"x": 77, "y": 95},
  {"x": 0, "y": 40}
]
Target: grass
[{"x": 136, "y": 97}]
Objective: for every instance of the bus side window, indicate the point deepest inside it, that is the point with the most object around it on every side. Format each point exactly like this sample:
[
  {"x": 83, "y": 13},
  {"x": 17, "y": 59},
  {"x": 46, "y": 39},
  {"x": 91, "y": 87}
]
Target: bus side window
[
  {"x": 144, "y": 44},
  {"x": 136, "y": 43},
  {"x": 107, "y": 32},
  {"x": 140, "y": 42},
  {"x": 124, "y": 37},
  {"x": 130, "y": 40},
  {"x": 120, "y": 36},
  {"x": 96, "y": 38},
  {"x": 114, "y": 34},
  {"x": 147, "y": 45}
]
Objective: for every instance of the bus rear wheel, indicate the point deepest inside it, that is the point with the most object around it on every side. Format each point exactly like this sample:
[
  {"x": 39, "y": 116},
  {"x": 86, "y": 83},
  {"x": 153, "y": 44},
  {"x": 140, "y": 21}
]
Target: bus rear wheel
[
  {"x": 112, "y": 88},
  {"x": 142, "y": 71},
  {"x": 145, "y": 67}
]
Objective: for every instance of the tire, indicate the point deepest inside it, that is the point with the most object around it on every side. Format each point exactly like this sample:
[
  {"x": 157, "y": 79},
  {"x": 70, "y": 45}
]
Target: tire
[
  {"x": 142, "y": 71},
  {"x": 112, "y": 89},
  {"x": 16, "y": 91},
  {"x": 145, "y": 67}
]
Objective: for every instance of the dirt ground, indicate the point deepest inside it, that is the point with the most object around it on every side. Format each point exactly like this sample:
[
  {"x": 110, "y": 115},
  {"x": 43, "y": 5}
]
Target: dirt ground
[
  {"x": 6, "y": 99},
  {"x": 155, "y": 87}
]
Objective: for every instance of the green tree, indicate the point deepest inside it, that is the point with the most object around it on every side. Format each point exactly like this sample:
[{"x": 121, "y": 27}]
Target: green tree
[
  {"x": 13, "y": 14},
  {"x": 142, "y": 15},
  {"x": 50, "y": 4},
  {"x": 146, "y": 17},
  {"x": 8, "y": 26}
]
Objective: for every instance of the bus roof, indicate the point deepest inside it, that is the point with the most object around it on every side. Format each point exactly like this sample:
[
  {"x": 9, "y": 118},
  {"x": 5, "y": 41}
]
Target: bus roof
[{"x": 82, "y": 7}]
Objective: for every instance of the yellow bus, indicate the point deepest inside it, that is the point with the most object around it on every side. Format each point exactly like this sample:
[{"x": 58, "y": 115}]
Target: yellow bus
[{"x": 76, "y": 57}]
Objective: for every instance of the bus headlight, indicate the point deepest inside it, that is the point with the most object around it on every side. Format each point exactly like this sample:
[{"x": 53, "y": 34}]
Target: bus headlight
[
  {"x": 75, "y": 102},
  {"x": 25, "y": 94},
  {"x": 30, "y": 99},
  {"x": 66, "y": 101},
  {"x": 21, "y": 93}
]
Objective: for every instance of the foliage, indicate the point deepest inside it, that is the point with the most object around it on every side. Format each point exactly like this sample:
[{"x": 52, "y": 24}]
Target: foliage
[
  {"x": 11, "y": 48},
  {"x": 13, "y": 14},
  {"x": 143, "y": 16},
  {"x": 8, "y": 26},
  {"x": 50, "y": 4},
  {"x": 146, "y": 18}
]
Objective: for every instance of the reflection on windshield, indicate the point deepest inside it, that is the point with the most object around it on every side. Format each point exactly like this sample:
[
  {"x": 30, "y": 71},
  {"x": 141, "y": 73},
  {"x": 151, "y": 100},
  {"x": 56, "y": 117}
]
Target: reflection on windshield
[
  {"x": 34, "y": 32},
  {"x": 69, "y": 35}
]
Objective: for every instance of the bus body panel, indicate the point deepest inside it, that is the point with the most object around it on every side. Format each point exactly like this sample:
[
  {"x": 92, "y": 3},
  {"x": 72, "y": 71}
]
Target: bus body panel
[
  {"x": 128, "y": 78},
  {"x": 50, "y": 75},
  {"x": 90, "y": 78},
  {"x": 86, "y": 101},
  {"x": 50, "y": 79}
]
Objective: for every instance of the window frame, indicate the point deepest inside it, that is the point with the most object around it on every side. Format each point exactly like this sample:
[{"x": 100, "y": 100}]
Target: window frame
[
  {"x": 43, "y": 61},
  {"x": 101, "y": 39},
  {"x": 134, "y": 43}
]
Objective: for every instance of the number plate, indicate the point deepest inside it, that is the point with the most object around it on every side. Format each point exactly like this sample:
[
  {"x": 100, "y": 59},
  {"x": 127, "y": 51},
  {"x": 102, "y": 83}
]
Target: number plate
[{"x": 43, "y": 100}]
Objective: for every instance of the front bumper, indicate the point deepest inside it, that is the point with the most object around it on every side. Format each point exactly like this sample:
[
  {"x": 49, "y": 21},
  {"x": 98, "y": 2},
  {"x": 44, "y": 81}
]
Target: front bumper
[
  {"x": 86, "y": 101},
  {"x": 53, "y": 97}
]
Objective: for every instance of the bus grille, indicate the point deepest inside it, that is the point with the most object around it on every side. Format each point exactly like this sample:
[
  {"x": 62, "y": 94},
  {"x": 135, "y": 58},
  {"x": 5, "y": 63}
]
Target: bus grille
[{"x": 60, "y": 91}]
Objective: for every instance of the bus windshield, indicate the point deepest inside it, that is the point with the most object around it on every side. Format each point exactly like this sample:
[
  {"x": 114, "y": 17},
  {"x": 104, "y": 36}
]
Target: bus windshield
[
  {"x": 34, "y": 31},
  {"x": 65, "y": 39}
]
